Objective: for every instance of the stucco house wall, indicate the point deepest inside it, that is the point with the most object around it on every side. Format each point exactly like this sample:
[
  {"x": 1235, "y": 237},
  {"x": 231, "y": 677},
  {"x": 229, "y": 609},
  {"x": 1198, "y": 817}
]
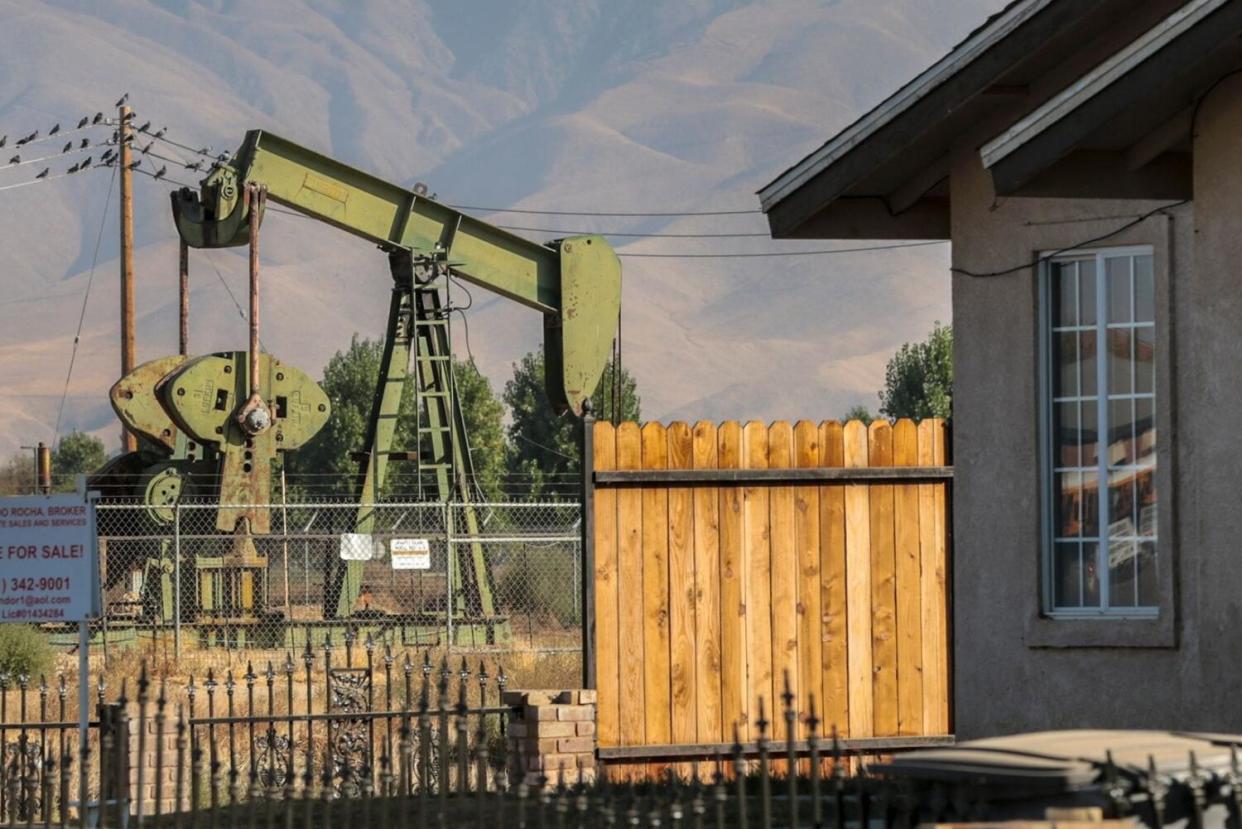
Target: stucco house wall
[{"x": 1013, "y": 669}]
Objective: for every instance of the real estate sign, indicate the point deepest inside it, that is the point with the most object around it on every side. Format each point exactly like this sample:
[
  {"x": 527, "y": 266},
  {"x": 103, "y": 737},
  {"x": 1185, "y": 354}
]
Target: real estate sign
[{"x": 49, "y": 562}]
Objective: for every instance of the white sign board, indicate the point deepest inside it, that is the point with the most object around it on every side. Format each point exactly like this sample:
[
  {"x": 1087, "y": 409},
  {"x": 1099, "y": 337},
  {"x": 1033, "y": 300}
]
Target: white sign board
[
  {"x": 410, "y": 554},
  {"x": 357, "y": 547},
  {"x": 49, "y": 564}
]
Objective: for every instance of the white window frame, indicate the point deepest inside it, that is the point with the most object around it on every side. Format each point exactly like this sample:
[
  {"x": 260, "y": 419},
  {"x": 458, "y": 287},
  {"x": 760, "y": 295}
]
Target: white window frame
[{"x": 1047, "y": 441}]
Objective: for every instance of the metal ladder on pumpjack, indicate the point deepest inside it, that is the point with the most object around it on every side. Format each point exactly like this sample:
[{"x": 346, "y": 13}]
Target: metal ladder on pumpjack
[{"x": 442, "y": 448}]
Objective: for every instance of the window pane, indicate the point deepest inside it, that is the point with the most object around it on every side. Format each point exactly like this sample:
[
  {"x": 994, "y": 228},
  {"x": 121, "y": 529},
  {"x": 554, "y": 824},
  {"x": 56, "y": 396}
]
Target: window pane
[
  {"x": 1145, "y": 431},
  {"x": 1086, "y": 343},
  {"x": 1069, "y": 504},
  {"x": 1145, "y": 498},
  {"x": 1121, "y": 512},
  {"x": 1147, "y": 574},
  {"x": 1068, "y": 435},
  {"x": 1120, "y": 432},
  {"x": 1120, "y": 342},
  {"x": 1067, "y": 363},
  {"x": 1144, "y": 290},
  {"x": 1090, "y": 434},
  {"x": 1117, "y": 270},
  {"x": 1121, "y": 573},
  {"x": 1065, "y": 294},
  {"x": 1144, "y": 359},
  {"x": 1086, "y": 292},
  {"x": 1066, "y": 577},
  {"x": 1090, "y": 505},
  {"x": 1090, "y": 575}
]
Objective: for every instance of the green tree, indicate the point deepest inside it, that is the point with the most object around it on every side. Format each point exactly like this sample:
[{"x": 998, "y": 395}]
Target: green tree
[
  {"x": 859, "y": 412},
  {"x": 543, "y": 446},
  {"x": 17, "y": 474},
  {"x": 349, "y": 379},
  {"x": 918, "y": 382},
  {"x": 77, "y": 453}
]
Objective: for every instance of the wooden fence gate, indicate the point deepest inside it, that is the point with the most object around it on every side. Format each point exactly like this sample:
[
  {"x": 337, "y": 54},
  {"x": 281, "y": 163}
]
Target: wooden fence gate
[{"x": 728, "y": 557}]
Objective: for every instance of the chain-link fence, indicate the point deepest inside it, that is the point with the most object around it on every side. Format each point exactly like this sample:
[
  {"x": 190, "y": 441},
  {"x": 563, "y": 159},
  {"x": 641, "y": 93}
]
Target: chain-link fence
[{"x": 501, "y": 576}]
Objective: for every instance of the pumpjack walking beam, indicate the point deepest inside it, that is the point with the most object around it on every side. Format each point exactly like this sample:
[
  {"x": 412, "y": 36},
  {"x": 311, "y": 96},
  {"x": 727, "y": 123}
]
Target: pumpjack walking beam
[{"x": 574, "y": 282}]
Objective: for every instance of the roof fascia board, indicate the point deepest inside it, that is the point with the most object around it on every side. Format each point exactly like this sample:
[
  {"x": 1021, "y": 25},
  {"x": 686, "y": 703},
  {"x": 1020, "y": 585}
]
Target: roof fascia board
[
  {"x": 900, "y": 101},
  {"x": 1098, "y": 79}
]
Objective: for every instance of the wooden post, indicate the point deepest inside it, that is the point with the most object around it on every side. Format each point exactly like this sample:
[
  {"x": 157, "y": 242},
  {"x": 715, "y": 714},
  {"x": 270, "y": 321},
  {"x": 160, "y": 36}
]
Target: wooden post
[
  {"x": 587, "y": 551},
  {"x": 129, "y": 442}
]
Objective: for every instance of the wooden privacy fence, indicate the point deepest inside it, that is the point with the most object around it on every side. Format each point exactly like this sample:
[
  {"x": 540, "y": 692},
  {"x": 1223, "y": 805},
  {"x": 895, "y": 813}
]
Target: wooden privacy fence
[{"x": 727, "y": 557}]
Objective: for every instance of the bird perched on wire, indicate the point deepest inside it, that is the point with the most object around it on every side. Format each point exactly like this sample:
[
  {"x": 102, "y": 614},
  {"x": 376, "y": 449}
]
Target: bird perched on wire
[
  {"x": 147, "y": 148},
  {"x": 121, "y": 102},
  {"x": 55, "y": 129},
  {"x": 46, "y": 170},
  {"x": 162, "y": 172},
  {"x": 86, "y": 142},
  {"x": 160, "y": 132},
  {"x": 17, "y": 159},
  {"x": 28, "y": 138},
  {"x": 4, "y": 140},
  {"x": 195, "y": 166},
  {"x": 85, "y": 163},
  {"x": 68, "y": 146},
  {"x": 133, "y": 165},
  {"x": 86, "y": 120},
  {"x": 145, "y": 127},
  {"x": 98, "y": 117},
  {"x": 73, "y": 169}
]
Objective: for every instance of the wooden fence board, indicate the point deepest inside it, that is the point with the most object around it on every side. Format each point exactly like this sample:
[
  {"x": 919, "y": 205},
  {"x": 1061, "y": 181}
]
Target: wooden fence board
[
  {"x": 707, "y": 571},
  {"x": 681, "y": 589},
  {"x": 710, "y": 593},
  {"x": 783, "y": 567},
  {"x": 806, "y": 542},
  {"x": 909, "y": 586},
  {"x": 632, "y": 705},
  {"x": 755, "y": 502},
  {"x": 655, "y": 590},
  {"x": 833, "y": 601},
  {"x": 858, "y": 588},
  {"x": 607, "y": 620},
  {"x": 735, "y": 701},
  {"x": 938, "y": 622},
  {"x": 883, "y": 585}
]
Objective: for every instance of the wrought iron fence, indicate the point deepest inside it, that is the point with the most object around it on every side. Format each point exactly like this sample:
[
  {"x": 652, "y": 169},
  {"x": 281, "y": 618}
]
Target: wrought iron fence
[
  {"x": 153, "y": 761},
  {"x": 500, "y": 575}
]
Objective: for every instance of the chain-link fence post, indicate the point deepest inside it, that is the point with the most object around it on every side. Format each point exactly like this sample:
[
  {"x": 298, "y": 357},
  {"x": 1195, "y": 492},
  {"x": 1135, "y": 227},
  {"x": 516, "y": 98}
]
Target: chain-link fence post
[
  {"x": 177, "y": 580},
  {"x": 450, "y": 568}
]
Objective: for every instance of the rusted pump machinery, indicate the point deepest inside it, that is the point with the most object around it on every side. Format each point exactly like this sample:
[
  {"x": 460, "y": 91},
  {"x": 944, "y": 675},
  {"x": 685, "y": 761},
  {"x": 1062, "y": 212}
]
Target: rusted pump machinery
[{"x": 211, "y": 426}]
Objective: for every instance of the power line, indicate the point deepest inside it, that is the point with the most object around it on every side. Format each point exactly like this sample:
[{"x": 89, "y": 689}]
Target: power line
[
  {"x": 638, "y": 214},
  {"x": 780, "y": 252},
  {"x": 637, "y": 235},
  {"x": 77, "y": 337},
  {"x": 1039, "y": 260},
  {"x": 232, "y": 296}
]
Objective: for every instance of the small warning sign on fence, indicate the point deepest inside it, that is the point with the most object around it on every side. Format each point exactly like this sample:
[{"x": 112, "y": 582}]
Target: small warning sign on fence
[
  {"x": 410, "y": 554},
  {"x": 357, "y": 547}
]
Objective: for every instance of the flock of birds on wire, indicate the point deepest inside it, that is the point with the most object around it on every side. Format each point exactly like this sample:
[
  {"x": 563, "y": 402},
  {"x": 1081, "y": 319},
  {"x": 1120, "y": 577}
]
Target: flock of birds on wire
[{"x": 142, "y": 140}]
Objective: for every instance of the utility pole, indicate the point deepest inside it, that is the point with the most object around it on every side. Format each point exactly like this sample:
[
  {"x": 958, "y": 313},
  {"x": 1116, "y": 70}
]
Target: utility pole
[{"x": 128, "y": 442}]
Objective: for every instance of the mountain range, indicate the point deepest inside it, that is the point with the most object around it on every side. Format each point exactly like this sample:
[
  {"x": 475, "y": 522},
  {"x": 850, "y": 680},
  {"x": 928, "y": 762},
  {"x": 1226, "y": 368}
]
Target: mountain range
[{"x": 586, "y": 106}]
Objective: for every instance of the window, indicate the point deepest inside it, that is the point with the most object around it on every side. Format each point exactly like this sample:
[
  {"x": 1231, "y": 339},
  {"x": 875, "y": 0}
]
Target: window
[{"x": 1100, "y": 555}]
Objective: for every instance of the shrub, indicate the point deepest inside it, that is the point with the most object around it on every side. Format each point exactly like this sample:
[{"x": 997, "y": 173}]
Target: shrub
[{"x": 23, "y": 650}]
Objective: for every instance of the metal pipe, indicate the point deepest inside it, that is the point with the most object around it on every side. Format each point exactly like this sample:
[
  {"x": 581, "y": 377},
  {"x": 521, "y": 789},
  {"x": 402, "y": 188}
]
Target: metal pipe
[
  {"x": 257, "y": 194},
  {"x": 184, "y": 290},
  {"x": 45, "y": 468}
]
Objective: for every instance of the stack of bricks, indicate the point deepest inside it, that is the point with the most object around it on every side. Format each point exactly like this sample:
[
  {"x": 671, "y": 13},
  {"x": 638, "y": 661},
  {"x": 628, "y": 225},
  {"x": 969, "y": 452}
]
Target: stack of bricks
[{"x": 551, "y": 737}]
